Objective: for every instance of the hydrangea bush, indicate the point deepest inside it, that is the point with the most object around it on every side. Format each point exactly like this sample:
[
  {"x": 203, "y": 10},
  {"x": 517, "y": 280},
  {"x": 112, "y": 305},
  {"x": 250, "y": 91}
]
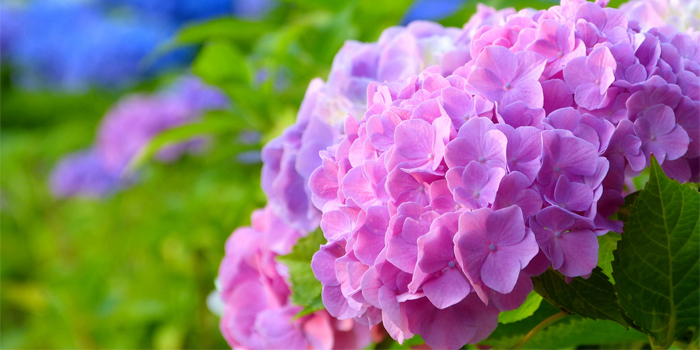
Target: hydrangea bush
[
  {"x": 453, "y": 171},
  {"x": 126, "y": 129}
]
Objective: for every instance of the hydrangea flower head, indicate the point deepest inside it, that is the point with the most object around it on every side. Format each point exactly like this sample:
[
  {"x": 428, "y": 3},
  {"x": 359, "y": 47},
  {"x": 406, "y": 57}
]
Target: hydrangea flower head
[
  {"x": 254, "y": 288},
  {"x": 456, "y": 186}
]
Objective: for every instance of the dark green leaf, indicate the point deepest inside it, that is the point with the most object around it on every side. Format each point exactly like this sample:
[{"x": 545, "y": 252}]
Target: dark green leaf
[
  {"x": 306, "y": 289},
  {"x": 656, "y": 261},
  {"x": 591, "y": 298},
  {"x": 531, "y": 304},
  {"x": 626, "y": 209}
]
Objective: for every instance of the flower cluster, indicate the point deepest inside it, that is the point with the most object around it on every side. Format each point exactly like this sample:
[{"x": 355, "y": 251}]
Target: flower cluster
[
  {"x": 457, "y": 185},
  {"x": 400, "y": 53},
  {"x": 126, "y": 129},
  {"x": 253, "y": 286}
]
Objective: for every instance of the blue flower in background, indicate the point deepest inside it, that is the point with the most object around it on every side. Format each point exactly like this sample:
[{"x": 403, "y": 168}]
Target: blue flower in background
[
  {"x": 432, "y": 10},
  {"x": 74, "y": 45}
]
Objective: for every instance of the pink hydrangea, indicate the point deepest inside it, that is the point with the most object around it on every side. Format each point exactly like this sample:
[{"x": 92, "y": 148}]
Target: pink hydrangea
[
  {"x": 400, "y": 53},
  {"x": 126, "y": 129},
  {"x": 135, "y": 120},
  {"x": 455, "y": 186},
  {"x": 255, "y": 291}
]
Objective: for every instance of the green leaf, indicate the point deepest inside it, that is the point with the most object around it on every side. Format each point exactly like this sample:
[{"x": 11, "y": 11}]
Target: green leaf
[
  {"x": 656, "y": 261},
  {"x": 573, "y": 331},
  {"x": 306, "y": 289},
  {"x": 592, "y": 298},
  {"x": 570, "y": 332},
  {"x": 626, "y": 209},
  {"x": 531, "y": 304},
  {"x": 509, "y": 333},
  {"x": 407, "y": 344},
  {"x": 606, "y": 245},
  {"x": 220, "y": 62},
  {"x": 220, "y": 28},
  {"x": 211, "y": 123}
]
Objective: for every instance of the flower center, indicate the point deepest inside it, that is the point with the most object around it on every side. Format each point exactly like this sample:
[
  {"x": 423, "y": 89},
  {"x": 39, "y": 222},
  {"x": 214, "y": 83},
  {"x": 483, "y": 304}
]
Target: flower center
[
  {"x": 597, "y": 81},
  {"x": 560, "y": 54},
  {"x": 556, "y": 169},
  {"x": 652, "y": 137},
  {"x": 451, "y": 264},
  {"x": 477, "y": 194},
  {"x": 507, "y": 86},
  {"x": 430, "y": 156},
  {"x": 492, "y": 247},
  {"x": 481, "y": 159},
  {"x": 557, "y": 234}
]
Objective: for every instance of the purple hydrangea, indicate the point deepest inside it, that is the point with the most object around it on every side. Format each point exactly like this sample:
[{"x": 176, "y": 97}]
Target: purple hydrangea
[
  {"x": 401, "y": 52},
  {"x": 456, "y": 185},
  {"x": 83, "y": 174},
  {"x": 135, "y": 120},
  {"x": 126, "y": 129},
  {"x": 254, "y": 288}
]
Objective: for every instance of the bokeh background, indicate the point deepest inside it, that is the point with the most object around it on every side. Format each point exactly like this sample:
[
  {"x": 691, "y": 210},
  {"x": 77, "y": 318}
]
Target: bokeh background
[{"x": 90, "y": 259}]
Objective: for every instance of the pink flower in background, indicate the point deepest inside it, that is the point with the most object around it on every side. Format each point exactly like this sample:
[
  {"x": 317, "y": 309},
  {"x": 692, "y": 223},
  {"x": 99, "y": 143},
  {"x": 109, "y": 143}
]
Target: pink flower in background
[{"x": 127, "y": 128}]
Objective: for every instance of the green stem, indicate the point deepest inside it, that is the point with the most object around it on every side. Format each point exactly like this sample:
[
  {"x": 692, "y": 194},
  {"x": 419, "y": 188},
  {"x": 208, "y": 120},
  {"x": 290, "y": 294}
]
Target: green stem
[{"x": 549, "y": 320}]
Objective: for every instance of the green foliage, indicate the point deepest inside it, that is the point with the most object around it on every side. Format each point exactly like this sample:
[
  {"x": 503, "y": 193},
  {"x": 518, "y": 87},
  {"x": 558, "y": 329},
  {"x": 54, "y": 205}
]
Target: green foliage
[
  {"x": 592, "y": 298},
  {"x": 531, "y": 304},
  {"x": 220, "y": 63},
  {"x": 574, "y": 331},
  {"x": 606, "y": 246},
  {"x": 132, "y": 271},
  {"x": 231, "y": 29},
  {"x": 656, "y": 262},
  {"x": 306, "y": 289}
]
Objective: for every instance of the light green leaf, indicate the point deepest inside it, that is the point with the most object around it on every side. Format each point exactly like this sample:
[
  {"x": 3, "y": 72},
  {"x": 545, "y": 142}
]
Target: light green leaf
[
  {"x": 606, "y": 244},
  {"x": 306, "y": 289},
  {"x": 573, "y": 331},
  {"x": 220, "y": 62},
  {"x": 221, "y": 28},
  {"x": 407, "y": 344},
  {"x": 531, "y": 304},
  {"x": 570, "y": 332},
  {"x": 592, "y": 298},
  {"x": 656, "y": 261}
]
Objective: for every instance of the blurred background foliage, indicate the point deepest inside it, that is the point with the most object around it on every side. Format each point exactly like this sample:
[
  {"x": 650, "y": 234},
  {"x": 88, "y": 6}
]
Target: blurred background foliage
[{"x": 134, "y": 270}]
